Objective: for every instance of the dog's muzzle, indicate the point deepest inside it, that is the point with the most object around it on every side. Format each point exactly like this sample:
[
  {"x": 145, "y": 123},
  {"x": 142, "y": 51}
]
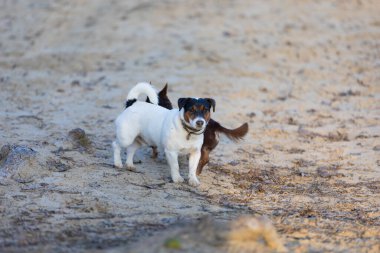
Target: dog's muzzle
[
  {"x": 199, "y": 123},
  {"x": 191, "y": 130}
]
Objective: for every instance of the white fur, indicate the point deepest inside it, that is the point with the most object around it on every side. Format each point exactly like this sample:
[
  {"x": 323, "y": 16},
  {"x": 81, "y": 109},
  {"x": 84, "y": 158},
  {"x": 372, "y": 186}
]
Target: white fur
[
  {"x": 143, "y": 88},
  {"x": 159, "y": 127}
]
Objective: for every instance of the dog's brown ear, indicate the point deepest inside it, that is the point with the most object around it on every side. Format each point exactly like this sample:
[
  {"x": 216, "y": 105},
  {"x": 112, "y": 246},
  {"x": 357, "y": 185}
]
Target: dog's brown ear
[
  {"x": 182, "y": 102},
  {"x": 211, "y": 102},
  {"x": 164, "y": 90}
]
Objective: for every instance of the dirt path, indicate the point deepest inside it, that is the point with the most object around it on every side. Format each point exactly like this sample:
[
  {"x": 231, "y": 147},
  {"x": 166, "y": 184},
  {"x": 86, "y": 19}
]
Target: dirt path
[{"x": 304, "y": 74}]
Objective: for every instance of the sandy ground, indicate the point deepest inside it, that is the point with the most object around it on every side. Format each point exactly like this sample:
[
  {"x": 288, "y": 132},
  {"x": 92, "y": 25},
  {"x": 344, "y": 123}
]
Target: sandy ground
[{"x": 304, "y": 74}]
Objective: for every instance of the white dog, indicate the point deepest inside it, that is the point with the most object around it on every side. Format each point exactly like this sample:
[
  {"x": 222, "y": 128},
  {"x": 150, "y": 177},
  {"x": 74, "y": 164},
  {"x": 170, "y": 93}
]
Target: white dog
[{"x": 176, "y": 131}]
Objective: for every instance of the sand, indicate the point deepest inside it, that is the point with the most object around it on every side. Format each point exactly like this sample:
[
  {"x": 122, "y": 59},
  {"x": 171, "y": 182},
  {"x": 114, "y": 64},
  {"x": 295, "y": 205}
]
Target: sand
[{"x": 305, "y": 75}]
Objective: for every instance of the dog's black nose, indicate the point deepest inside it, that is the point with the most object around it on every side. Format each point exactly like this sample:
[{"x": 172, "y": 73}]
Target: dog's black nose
[{"x": 199, "y": 123}]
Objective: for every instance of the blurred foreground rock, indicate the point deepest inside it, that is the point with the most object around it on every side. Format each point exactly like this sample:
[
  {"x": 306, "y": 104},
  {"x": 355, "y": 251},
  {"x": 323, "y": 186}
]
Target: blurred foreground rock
[{"x": 244, "y": 235}]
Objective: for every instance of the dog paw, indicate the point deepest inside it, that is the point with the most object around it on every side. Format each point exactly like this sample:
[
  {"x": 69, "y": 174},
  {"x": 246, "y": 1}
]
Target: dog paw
[
  {"x": 118, "y": 165},
  {"x": 178, "y": 179},
  {"x": 194, "y": 182}
]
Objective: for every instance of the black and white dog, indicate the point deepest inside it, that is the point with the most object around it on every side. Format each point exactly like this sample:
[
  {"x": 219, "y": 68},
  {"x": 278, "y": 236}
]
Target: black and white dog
[{"x": 176, "y": 131}]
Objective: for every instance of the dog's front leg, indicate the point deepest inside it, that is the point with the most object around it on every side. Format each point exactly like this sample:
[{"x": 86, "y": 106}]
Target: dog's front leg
[
  {"x": 193, "y": 164},
  {"x": 172, "y": 158}
]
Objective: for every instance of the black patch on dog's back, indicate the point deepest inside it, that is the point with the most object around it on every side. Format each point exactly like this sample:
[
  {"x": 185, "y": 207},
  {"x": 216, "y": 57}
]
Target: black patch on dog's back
[{"x": 130, "y": 102}]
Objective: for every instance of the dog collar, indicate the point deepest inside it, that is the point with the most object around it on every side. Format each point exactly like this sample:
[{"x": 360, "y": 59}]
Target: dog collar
[{"x": 190, "y": 130}]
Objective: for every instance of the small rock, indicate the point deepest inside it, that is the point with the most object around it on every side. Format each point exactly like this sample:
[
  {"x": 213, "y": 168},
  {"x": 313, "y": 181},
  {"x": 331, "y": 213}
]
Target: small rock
[
  {"x": 257, "y": 188},
  {"x": 77, "y": 133},
  {"x": 306, "y": 133},
  {"x": 251, "y": 115},
  {"x": 75, "y": 83},
  {"x": 4, "y": 152},
  {"x": 328, "y": 171},
  {"x": 57, "y": 166},
  {"x": 264, "y": 90},
  {"x": 15, "y": 159},
  {"x": 94, "y": 184},
  {"x": 227, "y": 34},
  {"x": 107, "y": 107},
  {"x": 337, "y": 136},
  {"x": 376, "y": 148},
  {"x": 80, "y": 140},
  {"x": 308, "y": 212},
  {"x": 296, "y": 151},
  {"x": 234, "y": 163},
  {"x": 303, "y": 163},
  {"x": 349, "y": 93},
  {"x": 291, "y": 121}
]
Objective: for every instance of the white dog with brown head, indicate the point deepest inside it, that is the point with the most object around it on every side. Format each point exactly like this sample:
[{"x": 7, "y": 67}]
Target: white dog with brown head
[{"x": 176, "y": 131}]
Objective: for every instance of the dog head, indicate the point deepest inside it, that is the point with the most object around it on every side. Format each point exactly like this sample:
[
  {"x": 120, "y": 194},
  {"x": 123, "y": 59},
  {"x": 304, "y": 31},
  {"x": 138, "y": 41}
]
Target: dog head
[{"x": 196, "y": 111}]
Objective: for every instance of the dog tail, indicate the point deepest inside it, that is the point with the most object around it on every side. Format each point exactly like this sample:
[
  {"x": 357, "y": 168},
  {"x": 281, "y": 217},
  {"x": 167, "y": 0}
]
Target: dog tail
[
  {"x": 141, "y": 88},
  {"x": 233, "y": 134}
]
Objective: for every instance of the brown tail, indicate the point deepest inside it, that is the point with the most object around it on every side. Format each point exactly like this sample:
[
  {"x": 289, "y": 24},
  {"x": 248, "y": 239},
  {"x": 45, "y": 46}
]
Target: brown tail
[{"x": 233, "y": 134}]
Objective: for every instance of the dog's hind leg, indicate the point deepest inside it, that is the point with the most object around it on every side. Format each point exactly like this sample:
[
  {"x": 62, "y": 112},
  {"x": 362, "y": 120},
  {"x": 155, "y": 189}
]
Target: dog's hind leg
[
  {"x": 116, "y": 155},
  {"x": 154, "y": 152},
  {"x": 131, "y": 149},
  {"x": 203, "y": 160},
  {"x": 125, "y": 138}
]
